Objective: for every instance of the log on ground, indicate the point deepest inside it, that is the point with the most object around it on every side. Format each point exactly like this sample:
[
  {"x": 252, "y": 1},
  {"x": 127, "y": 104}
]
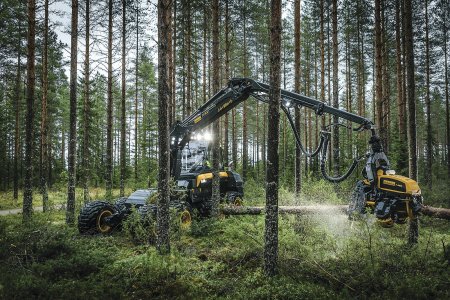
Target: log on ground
[{"x": 433, "y": 212}]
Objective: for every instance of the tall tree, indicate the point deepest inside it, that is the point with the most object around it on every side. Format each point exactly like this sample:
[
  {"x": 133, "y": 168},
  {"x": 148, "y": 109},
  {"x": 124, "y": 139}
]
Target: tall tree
[
  {"x": 271, "y": 220},
  {"x": 16, "y": 112},
  {"x": 335, "y": 86},
  {"x": 31, "y": 81},
  {"x": 86, "y": 109},
  {"x": 109, "y": 138},
  {"x": 379, "y": 70},
  {"x": 245, "y": 105},
  {"x": 123, "y": 121},
  {"x": 227, "y": 76},
  {"x": 136, "y": 103},
  {"x": 400, "y": 100},
  {"x": 44, "y": 118},
  {"x": 163, "y": 218},
  {"x": 70, "y": 214},
  {"x": 447, "y": 109},
  {"x": 411, "y": 102},
  {"x": 215, "y": 199},
  {"x": 297, "y": 67},
  {"x": 428, "y": 103}
]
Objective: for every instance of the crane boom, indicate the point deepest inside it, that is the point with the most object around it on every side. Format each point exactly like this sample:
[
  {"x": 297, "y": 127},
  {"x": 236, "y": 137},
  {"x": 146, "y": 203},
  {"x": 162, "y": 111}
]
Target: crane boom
[{"x": 237, "y": 91}]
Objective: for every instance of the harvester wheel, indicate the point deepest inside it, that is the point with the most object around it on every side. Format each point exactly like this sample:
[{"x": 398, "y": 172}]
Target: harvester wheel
[
  {"x": 357, "y": 205},
  {"x": 92, "y": 218},
  {"x": 185, "y": 219},
  {"x": 234, "y": 198},
  {"x": 120, "y": 204}
]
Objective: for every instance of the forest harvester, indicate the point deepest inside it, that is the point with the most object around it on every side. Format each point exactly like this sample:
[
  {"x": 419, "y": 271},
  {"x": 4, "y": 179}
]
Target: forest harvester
[{"x": 391, "y": 198}]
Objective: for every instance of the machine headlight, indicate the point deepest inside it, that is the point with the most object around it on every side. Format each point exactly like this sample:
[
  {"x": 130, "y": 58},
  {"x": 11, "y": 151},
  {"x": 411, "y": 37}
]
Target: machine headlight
[{"x": 203, "y": 181}]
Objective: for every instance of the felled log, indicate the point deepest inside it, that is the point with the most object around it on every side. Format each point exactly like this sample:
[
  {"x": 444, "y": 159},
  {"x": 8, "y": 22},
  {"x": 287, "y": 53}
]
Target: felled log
[
  {"x": 433, "y": 212},
  {"x": 298, "y": 210}
]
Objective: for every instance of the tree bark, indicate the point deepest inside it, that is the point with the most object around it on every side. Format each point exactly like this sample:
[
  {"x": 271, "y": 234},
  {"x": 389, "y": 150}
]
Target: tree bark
[
  {"x": 412, "y": 135},
  {"x": 189, "y": 60},
  {"x": 297, "y": 66},
  {"x": 123, "y": 123},
  {"x": 429, "y": 149},
  {"x": 86, "y": 109},
  {"x": 109, "y": 129},
  {"x": 215, "y": 199},
  {"x": 72, "y": 154},
  {"x": 335, "y": 88},
  {"x": 379, "y": 71},
  {"x": 226, "y": 141},
  {"x": 163, "y": 217},
  {"x": 271, "y": 220},
  {"x": 447, "y": 109},
  {"x": 17, "y": 119},
  {"x": 400, "y": 100},
  {"x": 31, "y": 81},
  {"x": 44, "y": 117},
  {"x": 244, "y": 108},
  {"x": 136, "y": 103}
]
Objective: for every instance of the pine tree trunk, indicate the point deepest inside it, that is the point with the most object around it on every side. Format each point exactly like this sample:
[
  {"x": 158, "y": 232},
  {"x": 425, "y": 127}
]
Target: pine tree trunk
[
  {"x": 379, "y": 71},
  {"x": 244, "y": 113},
  {"x": 215, "y": 199},
  {"x": 429, "y": 149},
  {"x": 271, "y": 220},
  {"x": 72, "y": 154},
  {"x": 123, "y": 124},
  {"x": 109, "y": 117},
  {"x": 163, "y": 217},
  {"x": 171, "y": 70},
  {"x": 44, "y": 117},
  {"x": 412, "y": 137},
  {"x": 189, "y": 60},
  {"x": 31, "y": 81},
  {"x": 297, "y": 67},
  {"x": 385, "y": 126},
  {"x": 86, "y": 110},
  {"x": 226, "y": 141},
  {"x": 204, "y": 56},
  {"x": 401, "y": 117},
  {"x": 335, "y": 88},
  {"x": 447, "y": 109},
  {"x": 136, "y": 103},
  {"x": 174, "y": 61},
  {"x": 17, "y": 120}
]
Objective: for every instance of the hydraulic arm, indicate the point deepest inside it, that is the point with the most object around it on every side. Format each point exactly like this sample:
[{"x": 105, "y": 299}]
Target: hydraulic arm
[{"x": 239, "y": 90}]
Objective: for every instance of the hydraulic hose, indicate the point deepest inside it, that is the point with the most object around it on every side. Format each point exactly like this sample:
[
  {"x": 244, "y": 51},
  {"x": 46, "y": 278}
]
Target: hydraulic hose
[
  {"x": 297, "y": 136},
  {"x": 323, "y": 160}
]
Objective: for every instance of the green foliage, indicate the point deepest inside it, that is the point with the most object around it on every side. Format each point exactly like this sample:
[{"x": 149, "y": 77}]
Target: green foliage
[
  {"x": 140, "y": 229},
  {"x": 320, "y": 256}
]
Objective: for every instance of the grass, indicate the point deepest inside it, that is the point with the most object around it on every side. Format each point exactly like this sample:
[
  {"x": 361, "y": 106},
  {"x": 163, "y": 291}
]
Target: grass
[{"x": 321, "y": 256}]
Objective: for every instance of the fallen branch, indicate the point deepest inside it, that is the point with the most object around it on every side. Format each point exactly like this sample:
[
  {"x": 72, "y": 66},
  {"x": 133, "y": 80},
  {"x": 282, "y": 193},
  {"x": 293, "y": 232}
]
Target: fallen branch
[{"x": 433, "y": 212}]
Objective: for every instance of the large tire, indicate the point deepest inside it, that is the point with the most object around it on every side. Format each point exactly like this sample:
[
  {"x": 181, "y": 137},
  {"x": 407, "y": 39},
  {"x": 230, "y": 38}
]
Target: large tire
[
  {"x": 120, "y": 204},
  {"x": 90, "y": 220},
  {"x": 234, "y": 198},
  {"x": 357, "y": 205}
]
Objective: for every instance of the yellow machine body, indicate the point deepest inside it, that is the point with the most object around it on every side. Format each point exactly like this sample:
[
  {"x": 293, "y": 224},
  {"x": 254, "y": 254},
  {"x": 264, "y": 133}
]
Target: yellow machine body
[{"x": 398, "y": 184}]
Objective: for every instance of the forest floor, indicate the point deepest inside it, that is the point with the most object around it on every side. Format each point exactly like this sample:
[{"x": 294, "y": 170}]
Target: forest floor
[{"x": 321, "y": 256}]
